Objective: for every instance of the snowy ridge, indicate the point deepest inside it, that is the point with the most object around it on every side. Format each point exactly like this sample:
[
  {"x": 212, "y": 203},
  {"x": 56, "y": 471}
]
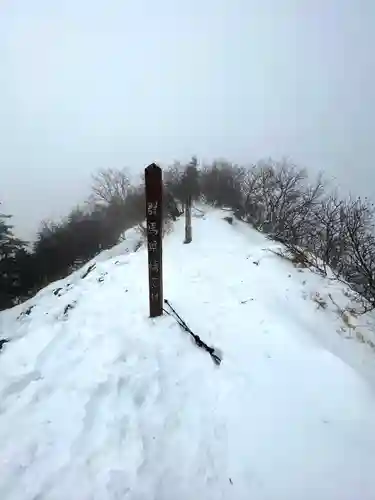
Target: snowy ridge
[{"x": 97, "y": 401}]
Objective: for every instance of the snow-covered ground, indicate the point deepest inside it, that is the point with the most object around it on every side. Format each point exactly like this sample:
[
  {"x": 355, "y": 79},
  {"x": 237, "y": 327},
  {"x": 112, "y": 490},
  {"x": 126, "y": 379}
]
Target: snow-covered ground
[{"x": 97, "y": 401}]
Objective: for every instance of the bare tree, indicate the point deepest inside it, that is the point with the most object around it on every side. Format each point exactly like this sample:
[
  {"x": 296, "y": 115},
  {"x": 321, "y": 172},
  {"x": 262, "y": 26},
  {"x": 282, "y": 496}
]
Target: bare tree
[
  {"x": 173, "y": 182},
  {"x": 327, "y": 234},
  {"x": 360, "y": 257},
  {"x": 111, "y": 184},
  {"x": 277, "y": 198}
]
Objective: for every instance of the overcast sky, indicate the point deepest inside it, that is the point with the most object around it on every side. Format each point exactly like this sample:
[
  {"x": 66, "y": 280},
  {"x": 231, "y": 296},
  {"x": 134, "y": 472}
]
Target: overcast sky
[{"x": 87, "y": 84}]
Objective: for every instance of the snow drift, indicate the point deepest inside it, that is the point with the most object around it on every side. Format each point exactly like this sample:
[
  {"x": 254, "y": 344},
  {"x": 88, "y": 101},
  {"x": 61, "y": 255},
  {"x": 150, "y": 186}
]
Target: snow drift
[{"x": 97, "y": 401}]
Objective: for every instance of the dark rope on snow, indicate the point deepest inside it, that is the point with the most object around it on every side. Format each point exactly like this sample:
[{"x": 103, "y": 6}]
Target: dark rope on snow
[{"x": 199, "y": 342}]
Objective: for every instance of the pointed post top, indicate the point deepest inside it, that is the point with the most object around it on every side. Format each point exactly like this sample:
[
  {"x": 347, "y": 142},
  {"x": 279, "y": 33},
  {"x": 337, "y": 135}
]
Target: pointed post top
[
  {"x": 153, "y": 168},
  {"x": 153, "y": 178}
]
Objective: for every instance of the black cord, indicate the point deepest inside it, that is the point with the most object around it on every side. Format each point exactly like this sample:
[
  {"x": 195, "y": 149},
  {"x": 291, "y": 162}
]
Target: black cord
[{"x": 199, "y": 342}]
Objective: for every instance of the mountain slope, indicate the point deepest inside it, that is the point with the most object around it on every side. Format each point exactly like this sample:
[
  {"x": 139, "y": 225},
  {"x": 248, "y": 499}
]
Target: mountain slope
[{"x": 97, "y": 401}]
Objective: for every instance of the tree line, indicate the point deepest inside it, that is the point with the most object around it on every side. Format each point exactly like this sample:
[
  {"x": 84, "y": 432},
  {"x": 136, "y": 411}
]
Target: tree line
[{"x": 276, "y": 198}]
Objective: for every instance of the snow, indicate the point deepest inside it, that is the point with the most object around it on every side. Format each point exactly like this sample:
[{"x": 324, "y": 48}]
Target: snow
[{"x": 97, "y": 401}]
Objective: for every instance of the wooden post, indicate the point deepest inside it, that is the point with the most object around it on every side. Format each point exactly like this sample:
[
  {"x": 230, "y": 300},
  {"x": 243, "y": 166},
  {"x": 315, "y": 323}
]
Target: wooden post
[
  {"x": 188, "y": 231},
  {"x": 154, "y": 201}
]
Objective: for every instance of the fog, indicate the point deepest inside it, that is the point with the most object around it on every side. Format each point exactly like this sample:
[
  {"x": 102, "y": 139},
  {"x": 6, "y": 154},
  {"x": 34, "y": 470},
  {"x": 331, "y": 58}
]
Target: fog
[{"x": 92, "y": 84}]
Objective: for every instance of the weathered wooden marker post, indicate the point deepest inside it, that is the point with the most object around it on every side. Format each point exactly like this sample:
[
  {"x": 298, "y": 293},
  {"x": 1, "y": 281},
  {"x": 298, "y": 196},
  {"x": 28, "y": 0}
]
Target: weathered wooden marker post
[
  {"x": 154, "y": 201},
  {"x": 188, "y": 231}
]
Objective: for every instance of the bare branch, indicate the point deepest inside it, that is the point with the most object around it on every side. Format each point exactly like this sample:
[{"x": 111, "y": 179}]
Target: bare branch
[{"x": 111, "y": 184}]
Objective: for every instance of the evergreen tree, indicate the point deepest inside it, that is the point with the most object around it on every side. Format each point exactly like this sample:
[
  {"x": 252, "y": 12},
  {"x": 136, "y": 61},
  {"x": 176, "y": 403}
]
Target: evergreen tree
[{"x": 10, "y": 272}]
